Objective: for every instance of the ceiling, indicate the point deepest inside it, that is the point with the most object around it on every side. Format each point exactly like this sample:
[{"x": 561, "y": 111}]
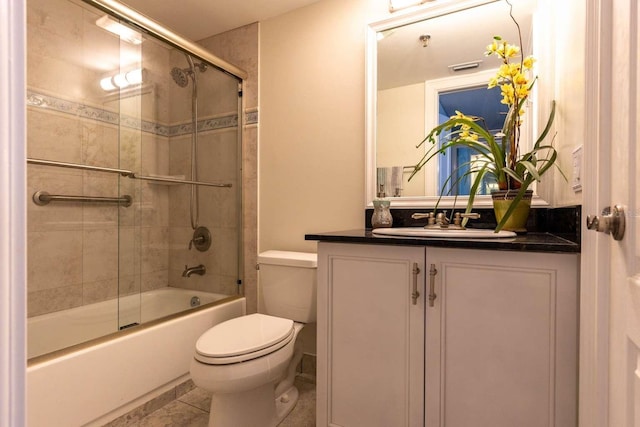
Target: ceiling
[
  {"x": 199, "y": 19},
  {"x": 455, "y": 38}
]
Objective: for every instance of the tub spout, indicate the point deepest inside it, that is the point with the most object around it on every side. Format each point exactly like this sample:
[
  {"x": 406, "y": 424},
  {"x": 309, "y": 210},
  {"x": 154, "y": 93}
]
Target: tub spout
[{"x": 198, "y": 269}]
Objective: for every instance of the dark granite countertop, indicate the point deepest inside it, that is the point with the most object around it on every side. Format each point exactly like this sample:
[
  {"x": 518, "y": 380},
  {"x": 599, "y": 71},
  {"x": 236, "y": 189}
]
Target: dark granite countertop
[{"x": 530, "y": 242}]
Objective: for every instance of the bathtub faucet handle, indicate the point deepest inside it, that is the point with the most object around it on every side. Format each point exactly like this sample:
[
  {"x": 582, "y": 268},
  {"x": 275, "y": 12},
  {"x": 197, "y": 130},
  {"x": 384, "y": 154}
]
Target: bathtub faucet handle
[
  {"x": 201, "y": 239},
  {"x": 195, "y": 240}
]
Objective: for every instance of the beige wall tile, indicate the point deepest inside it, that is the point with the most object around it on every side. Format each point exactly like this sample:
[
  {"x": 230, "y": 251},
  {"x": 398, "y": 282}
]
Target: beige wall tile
[
  {"x": 56, "y": 299},
  {"x": 54, "y": 259}
]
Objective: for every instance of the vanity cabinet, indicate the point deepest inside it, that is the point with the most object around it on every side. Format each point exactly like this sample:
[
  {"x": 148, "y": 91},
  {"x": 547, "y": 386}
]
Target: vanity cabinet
[
  {"x": 370, "y": 335},
  {"x": 497, "y": 347},
  {"x": 502, "y": 339}
]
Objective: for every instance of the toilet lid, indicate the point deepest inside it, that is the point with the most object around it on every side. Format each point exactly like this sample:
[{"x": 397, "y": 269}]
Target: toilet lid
[{"x": 244, "y": 338}]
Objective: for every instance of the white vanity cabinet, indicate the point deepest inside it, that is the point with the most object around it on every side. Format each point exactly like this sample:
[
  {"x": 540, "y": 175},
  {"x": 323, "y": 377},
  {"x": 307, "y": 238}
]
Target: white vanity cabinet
[
  {"x": 498, "y": 347},
  {"x": 370, "y": 335},
  {"x": 502, "y": 339}
]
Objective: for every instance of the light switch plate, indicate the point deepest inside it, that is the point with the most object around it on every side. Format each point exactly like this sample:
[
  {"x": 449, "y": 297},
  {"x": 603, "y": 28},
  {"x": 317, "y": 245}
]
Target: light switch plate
[{"x": 576, "y": 181}]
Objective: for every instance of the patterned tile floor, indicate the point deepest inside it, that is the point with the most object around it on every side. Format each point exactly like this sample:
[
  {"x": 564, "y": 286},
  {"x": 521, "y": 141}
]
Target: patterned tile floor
[{"x": 192, "y": 410}]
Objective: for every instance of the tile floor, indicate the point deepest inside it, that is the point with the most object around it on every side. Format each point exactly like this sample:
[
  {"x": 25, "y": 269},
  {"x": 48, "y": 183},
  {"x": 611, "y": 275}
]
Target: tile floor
[{"x": 192, "y": 410}]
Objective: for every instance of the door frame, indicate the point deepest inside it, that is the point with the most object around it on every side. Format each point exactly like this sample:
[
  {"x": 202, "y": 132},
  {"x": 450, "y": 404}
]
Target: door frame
[
  {"x": 595, "y": 277},
  {"x": 12, "y": 213}
]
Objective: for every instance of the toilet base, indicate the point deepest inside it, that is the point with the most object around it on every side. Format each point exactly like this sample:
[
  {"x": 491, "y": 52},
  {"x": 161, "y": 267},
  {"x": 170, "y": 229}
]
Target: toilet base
[
  {"x": 253, "y": 408},
  {"x": 285, "y": 403}
]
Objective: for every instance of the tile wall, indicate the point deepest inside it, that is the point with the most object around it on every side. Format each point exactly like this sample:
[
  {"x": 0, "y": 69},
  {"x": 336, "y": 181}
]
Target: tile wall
[{"x": 81, "y": 254}]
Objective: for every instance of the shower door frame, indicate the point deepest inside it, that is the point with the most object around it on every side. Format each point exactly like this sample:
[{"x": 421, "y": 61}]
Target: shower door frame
[
  {"x": 156, "y": 31},
  {"x": 149, "y": 26},
  {"x": 140, "y": 21}
]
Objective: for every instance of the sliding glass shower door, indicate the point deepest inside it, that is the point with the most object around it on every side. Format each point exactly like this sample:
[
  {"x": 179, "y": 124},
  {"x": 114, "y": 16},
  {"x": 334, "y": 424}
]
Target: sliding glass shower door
[{"x": 133, "y": 145}]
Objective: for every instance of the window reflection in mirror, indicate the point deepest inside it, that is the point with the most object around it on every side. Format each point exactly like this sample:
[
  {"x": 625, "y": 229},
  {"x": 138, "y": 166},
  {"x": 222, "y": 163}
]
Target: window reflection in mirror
[
  {"x": 414, "y": 84},
  {"x": 473, "y": 101}
]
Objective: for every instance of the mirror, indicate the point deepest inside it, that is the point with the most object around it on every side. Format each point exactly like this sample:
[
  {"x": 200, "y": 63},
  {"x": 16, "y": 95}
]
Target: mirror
[{"x": 421, "y": 67}]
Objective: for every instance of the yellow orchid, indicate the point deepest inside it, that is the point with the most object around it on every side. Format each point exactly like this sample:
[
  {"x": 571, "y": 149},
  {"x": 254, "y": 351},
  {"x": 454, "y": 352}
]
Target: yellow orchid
[
  {"x": 528, "y": 62},
  {"x": 510, "y": 50},
  {"x": 496, "y": 155}
]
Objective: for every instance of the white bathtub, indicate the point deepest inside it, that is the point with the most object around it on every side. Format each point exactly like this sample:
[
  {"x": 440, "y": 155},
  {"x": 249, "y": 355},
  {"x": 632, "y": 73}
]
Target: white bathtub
[
  {"x": 62, "y": 329},
  {"x": 97, "y": 383}
]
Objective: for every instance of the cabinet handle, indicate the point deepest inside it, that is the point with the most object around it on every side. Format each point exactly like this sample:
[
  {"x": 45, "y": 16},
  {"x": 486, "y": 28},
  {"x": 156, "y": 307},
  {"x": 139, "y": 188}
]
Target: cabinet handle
[
  {"x": 432, "y": 285},
  {"x": 415, "y": 294}
]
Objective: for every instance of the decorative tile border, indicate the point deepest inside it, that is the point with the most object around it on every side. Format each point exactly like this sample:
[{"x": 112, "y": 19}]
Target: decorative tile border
[{"x": 40, "y": 100}]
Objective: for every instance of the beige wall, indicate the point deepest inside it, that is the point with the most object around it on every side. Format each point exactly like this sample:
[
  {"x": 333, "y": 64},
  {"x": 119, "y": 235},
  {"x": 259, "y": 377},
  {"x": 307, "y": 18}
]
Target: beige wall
[
  {"x": 401, "y": 118},
  {"x": 569, "y": 62},
  {"x": 311, "y": 157},
  {"x": 312, "y": 80}
]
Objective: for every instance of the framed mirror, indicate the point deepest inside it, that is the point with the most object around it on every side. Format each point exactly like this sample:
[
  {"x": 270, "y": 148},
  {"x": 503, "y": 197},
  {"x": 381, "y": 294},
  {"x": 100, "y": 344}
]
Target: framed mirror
[{"x": 422, "y": 66}]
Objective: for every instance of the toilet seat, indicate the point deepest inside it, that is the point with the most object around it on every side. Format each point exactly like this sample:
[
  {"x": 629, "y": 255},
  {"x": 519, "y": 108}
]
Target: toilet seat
[{"x": 243, "y": 339}]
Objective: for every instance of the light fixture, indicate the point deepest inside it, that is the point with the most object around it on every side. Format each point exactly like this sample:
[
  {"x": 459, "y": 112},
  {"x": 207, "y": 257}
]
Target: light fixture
[
  {"x": 134, "y": 77},
  {"x": 122, "y": 80},
  {"x": 107, "y": 84},
  {"x": 425, "y": 39},
  {"x": 125, "y": 33},
  {"x": 395, "y": 5},
  {"x": 466, "y": 65}
]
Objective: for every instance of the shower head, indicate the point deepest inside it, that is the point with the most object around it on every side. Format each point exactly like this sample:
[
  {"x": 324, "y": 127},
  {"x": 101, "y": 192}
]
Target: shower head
[{"x": 181, "y": 76}]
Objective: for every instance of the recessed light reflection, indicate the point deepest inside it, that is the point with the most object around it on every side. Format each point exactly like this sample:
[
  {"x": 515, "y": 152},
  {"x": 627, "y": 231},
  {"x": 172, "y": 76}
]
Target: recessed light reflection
[{"x": 125, "y": 33}]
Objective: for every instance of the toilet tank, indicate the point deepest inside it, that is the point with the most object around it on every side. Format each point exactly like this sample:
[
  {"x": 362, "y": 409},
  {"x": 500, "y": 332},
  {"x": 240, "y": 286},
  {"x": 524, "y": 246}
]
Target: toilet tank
[{"x": 288, "y": 283}]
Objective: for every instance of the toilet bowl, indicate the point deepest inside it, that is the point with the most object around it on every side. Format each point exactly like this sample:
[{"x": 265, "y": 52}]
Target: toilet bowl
[{"x": 249, "y": 363}]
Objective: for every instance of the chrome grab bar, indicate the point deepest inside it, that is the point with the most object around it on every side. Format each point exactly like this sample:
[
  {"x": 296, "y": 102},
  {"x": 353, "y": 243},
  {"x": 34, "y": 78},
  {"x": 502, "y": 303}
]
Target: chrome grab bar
[{"x": 42, "y": 198}]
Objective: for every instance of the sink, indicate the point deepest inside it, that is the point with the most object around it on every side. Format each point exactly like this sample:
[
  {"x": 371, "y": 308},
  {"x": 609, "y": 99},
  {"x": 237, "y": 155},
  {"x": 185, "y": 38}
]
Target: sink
[{"x": 444, "y": 233}]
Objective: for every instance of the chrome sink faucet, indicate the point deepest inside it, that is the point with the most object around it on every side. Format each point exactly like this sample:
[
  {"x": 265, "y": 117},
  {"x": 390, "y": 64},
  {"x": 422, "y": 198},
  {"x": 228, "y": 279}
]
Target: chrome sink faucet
[
  {"x": 440, "y": 219},
  {"x": 198, "y": 269}
]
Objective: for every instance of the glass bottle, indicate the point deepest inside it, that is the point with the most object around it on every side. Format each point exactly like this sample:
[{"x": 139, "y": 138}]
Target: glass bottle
[{"x": 381, "y": 214}]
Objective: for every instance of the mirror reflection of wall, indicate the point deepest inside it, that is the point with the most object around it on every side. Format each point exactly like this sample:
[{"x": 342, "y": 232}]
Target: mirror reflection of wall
[{"x": 417, "y": 78}]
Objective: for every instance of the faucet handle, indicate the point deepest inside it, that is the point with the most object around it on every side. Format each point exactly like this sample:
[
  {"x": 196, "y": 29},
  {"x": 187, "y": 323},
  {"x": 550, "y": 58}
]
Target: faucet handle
[
  {"x": 457, "y": 218},
  {"x": 196, "y": 240},
  {"x": 470, "y": 215},
  {"x": 421, "y": 215}
]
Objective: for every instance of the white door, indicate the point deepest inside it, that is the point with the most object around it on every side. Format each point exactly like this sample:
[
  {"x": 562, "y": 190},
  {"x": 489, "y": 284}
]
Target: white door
[{"x": 610, "y": 323}]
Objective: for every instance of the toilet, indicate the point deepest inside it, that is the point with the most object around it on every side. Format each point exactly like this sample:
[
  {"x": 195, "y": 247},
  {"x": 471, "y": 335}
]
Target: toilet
[{"x": 249, "y": 362}]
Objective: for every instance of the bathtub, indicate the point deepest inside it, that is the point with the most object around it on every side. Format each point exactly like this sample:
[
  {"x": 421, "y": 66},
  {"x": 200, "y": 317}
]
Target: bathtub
[
  {"x": 95, "y": 382},
  {"x": 62, "y": 329}
]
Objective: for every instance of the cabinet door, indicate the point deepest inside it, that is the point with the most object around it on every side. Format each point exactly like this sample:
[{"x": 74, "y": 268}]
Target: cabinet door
[
  {"x": 501, "y": 346},
  {"x": 370, "y": 336}
]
